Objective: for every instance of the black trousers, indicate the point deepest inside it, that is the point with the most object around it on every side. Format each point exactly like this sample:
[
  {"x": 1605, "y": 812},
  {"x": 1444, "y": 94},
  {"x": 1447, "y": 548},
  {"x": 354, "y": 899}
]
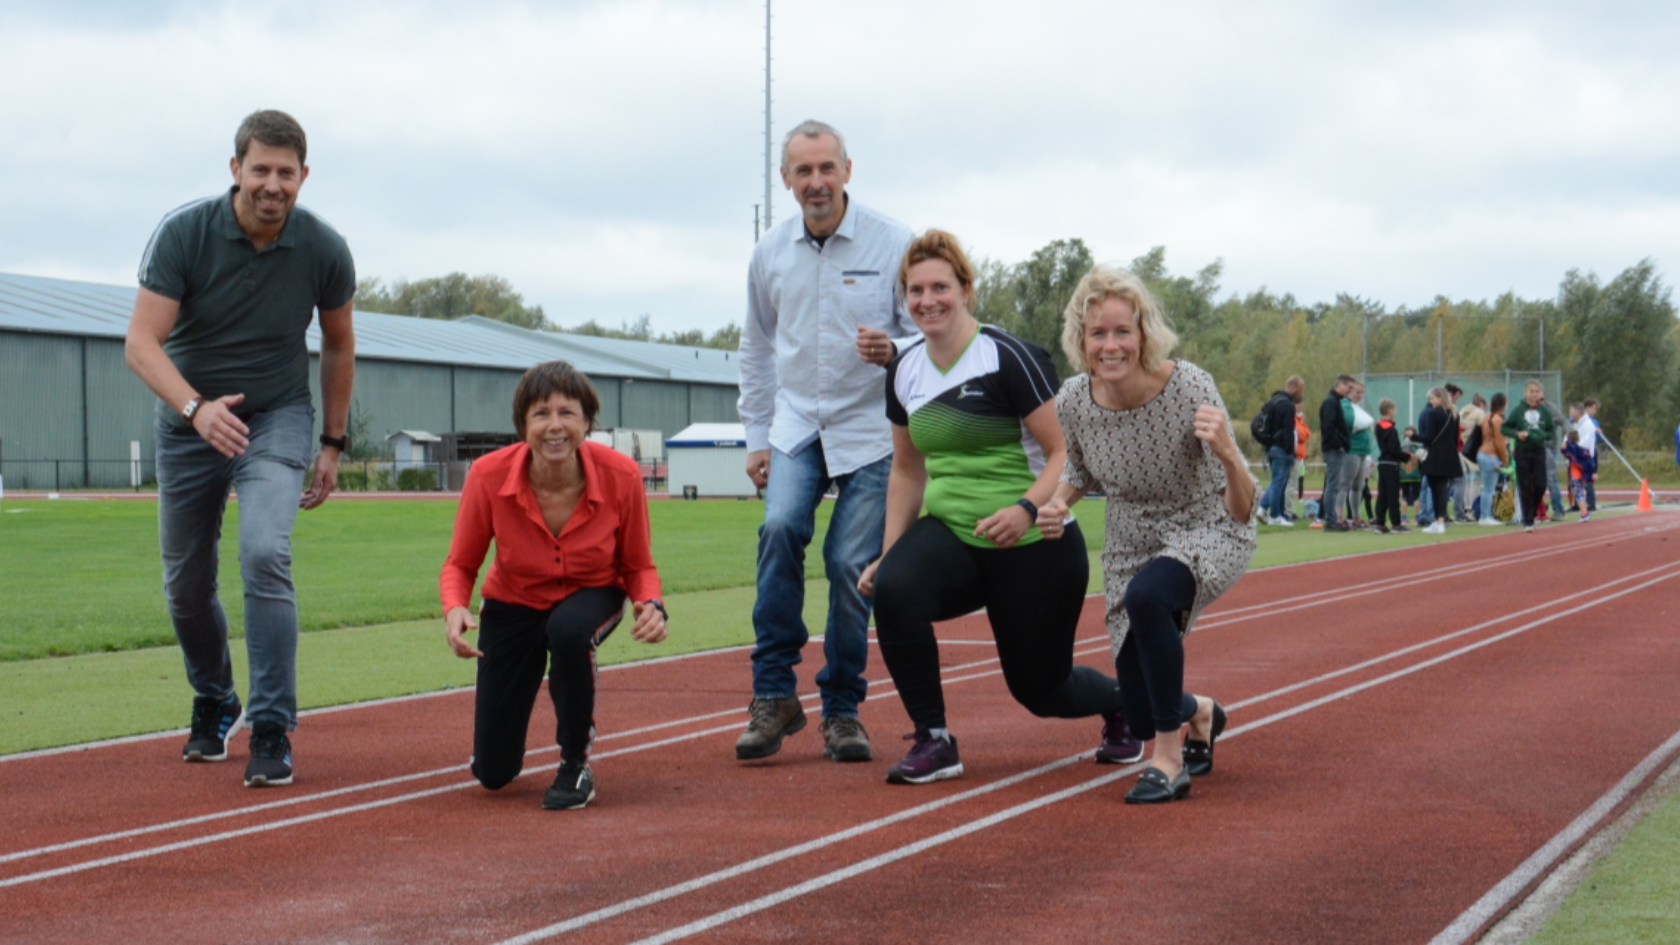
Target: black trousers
[
  {"x": 1151, "y": 661},
  {"x": 1032, "y": 594},
  {"x": 1531, "y": 482},
  {"x": 1388, "y": 495},
  {"x": 517, "y": 643}
]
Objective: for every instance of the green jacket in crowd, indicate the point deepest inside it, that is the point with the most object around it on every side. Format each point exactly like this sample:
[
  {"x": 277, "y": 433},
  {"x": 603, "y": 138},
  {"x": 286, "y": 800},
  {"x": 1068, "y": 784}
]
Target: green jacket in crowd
[
  {"x": 1362, "y": 443},
  {"x": 1536, "y": 421}
]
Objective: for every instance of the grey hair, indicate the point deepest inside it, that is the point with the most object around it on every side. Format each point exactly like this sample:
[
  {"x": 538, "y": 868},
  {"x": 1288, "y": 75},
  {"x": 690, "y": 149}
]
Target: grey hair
[{"x": 811, "y": 128}]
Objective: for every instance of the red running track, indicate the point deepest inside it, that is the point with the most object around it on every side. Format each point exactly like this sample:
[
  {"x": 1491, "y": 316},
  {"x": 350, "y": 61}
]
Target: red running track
[{"x": 1407, "y": 728}]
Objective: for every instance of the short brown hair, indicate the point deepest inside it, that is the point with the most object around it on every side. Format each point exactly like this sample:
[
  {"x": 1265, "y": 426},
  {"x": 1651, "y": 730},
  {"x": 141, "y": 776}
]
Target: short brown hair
[
  {"x": 937, "y": 244},
  {"x": 550, "y": 378},
  {"x": 273, "y": 128}
]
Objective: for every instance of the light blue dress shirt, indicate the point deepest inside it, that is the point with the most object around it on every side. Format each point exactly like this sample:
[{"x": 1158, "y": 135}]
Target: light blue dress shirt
[{"x": 801, "y": 377}]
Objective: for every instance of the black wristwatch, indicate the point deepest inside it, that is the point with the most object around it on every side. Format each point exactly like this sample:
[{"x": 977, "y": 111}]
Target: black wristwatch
[
  {"x": 340, "y": 443},
  {"x": 656, "y": 602}
]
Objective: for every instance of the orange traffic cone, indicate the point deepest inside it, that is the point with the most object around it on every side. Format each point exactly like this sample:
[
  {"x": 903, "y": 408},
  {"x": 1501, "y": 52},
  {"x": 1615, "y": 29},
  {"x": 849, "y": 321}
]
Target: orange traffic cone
[{"x": 1645, "y": 495}]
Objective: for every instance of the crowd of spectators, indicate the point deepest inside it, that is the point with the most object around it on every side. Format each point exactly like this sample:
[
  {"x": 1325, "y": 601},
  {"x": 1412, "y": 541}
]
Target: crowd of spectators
[{"x": 1469, "y": 461}]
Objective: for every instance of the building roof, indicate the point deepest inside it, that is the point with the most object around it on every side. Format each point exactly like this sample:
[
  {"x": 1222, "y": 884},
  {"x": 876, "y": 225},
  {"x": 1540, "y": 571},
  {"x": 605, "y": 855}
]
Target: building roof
[
  {"x": 711, "y": 434},
  {"x": 65, "y": 307}
]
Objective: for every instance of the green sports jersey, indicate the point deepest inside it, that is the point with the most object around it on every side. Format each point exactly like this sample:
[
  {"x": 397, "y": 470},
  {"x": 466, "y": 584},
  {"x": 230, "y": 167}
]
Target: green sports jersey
[{"x": 968, "y": 422}]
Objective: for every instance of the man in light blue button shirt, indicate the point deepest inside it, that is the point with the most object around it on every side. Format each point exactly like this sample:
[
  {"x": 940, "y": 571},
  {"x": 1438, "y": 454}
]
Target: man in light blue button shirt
[{"x": 821, "y": 318}]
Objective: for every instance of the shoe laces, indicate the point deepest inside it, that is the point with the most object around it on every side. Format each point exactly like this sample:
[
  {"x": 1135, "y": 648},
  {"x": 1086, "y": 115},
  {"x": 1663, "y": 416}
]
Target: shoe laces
[
  {"x": 845, "y": 726},
  {"x": 925, "y": 743},
  {"x": 762, "y": 711},
  {"x": 571, "y": 774},
  {"x": 268, "y": 743}
]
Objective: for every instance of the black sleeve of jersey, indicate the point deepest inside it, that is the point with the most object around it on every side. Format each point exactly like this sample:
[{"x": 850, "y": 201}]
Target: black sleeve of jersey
[
  {"x": 895, "y": 409},
  {"x": 1028, "y": 373}
]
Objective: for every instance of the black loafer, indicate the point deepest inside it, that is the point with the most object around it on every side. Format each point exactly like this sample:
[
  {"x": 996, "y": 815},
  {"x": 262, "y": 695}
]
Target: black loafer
[
  {"x": 1154, "y": 788},
  {"x": 1198, "y": 755}
]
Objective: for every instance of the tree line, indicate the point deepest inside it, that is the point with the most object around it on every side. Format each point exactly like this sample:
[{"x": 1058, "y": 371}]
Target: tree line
[
  {"x": 1617, "y": 341},
  {"x": 458, "y": 294}
]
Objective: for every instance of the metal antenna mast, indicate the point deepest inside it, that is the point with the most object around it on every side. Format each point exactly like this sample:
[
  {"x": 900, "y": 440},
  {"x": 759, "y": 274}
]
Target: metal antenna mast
[{"x": 767, "y": 192}]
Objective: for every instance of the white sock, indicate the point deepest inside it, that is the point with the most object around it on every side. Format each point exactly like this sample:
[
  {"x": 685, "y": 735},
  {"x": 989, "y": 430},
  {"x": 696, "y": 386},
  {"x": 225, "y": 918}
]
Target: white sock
[{"x": 943, "y": 734}]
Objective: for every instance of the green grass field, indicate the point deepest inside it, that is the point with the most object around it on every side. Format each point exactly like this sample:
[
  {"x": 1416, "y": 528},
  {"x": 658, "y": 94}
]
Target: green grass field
[{"x": 88, "y": 653}]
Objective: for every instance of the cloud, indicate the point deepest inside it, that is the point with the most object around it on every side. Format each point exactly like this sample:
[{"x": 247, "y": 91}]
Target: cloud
[{"x": 605, "y": 157}]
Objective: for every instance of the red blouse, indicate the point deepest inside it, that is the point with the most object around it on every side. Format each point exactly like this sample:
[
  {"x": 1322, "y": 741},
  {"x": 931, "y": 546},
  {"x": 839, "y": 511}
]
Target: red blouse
[{"x": 603, "y": 544}]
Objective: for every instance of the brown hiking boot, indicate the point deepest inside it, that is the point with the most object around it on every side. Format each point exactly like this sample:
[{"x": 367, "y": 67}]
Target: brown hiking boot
[
  {"x": 844, "y": 739},
  {"x": 771, "y": 719}
]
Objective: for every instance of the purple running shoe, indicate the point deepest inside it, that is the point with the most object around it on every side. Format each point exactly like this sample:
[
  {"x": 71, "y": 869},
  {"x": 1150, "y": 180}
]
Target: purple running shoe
[
  {"x": 1118, "y": 746},
  {"x": 930, "y": 759}
]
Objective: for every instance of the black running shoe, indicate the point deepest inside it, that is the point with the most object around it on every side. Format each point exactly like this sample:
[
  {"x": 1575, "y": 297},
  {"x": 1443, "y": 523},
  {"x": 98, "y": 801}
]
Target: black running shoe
[
  {"x": 213, "y": 726},
  {"x": 573, "y": 787},
  {"x": 271, "y": 756}
]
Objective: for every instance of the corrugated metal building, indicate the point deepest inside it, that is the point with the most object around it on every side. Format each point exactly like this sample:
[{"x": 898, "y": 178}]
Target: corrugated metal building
[{"x": 69, "y": 406}]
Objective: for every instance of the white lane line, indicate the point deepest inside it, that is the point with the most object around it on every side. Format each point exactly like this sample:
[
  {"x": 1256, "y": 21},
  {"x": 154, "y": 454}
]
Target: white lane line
[
  {"x": 1409, "y": 577},
  {"x": 1211, "y": 616},
  {"x": 1505, "y": 618},
  {"x": 328, "y": 710},
  {"x": 1544, "y": 859},
  {"x": 810, "y": 697},
  {"x": 908, "y": 850}
]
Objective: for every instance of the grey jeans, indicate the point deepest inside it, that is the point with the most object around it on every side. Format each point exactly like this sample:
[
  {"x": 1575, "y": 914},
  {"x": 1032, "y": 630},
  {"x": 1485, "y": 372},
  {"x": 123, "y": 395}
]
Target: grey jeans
[
  {"x": 1329, "y": 504},
  {"x": 193, "y": 484}
]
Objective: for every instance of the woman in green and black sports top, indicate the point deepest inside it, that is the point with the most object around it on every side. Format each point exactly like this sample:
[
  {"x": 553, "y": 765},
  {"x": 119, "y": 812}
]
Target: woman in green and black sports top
[{"x": 975, "y": 439}]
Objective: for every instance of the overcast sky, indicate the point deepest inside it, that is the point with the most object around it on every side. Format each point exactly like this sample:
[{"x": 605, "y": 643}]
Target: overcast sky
[{"x": 605, "y": 157}]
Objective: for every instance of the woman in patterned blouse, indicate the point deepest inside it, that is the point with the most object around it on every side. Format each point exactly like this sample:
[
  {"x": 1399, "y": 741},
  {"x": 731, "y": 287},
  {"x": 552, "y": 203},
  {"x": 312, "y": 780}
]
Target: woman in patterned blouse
[{"x": 1154, "y": 436}]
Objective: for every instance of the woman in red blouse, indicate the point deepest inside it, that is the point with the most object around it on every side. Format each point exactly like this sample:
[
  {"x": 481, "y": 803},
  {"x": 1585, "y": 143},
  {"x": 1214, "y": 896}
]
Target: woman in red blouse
[{"x": 569, "y": 518}]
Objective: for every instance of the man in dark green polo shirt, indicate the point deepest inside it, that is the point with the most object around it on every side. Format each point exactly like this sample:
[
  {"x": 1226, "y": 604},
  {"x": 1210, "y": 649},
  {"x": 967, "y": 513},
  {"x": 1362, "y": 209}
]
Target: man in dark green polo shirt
[{"x": 228, "y": 287}]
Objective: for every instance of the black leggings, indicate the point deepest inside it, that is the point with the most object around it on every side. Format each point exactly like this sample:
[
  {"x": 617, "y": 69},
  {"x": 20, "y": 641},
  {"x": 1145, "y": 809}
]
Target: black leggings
[
  {"x": 516, "y": 642},
  {"x": 1531, "y": 482},
  {"x": 1032, "y": 594},
  {"x": 1438, "y": 488},
  {"x": 1151, "y": 661}
]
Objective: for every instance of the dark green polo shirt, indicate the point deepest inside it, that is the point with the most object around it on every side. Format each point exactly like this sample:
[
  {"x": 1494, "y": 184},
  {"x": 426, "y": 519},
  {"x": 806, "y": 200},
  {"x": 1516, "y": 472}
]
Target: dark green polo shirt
[{"x": 243, "y": 312}]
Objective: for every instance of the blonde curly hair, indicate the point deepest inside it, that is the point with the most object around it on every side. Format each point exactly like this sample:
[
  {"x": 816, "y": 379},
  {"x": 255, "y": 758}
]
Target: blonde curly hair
[{"x": 1107, "y": 282}]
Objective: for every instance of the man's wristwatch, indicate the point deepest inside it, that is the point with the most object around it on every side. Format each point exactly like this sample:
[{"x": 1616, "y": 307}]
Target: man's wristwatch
[
  {"x": 340, "y": 443},
  {"x": 191, "y": 408},
  {"x": 656, "y": 602}
]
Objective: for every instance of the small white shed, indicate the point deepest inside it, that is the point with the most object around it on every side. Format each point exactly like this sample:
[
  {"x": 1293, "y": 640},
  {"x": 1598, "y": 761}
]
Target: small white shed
[
  {"x": 414, "y": 447},
  {"x": 711, "y": 460}
]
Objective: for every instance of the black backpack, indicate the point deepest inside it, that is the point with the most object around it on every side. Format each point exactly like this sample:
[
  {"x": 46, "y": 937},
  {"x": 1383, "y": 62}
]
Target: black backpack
[{"x": 1259, "y": 428}]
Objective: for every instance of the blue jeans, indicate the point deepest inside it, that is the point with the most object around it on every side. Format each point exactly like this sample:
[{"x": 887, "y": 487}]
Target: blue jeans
[
  {"x": 193, "y": 483},
  {"x": 1329, "y": 504},
  {"x": 797, "y": 484},
  {"x": 1490, "y": 466},
  {"x": 1277, "y": 493}
]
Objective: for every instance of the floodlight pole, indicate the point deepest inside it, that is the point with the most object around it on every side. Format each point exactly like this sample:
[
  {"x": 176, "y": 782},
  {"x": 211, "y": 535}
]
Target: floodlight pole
[
  {"x": 1365, "y": 348},
  {"x": 767, "y": 194}
]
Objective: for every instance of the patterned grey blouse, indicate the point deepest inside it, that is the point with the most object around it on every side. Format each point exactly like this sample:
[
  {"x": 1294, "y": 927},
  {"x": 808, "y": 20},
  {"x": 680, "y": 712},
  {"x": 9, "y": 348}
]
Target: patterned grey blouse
[{"x": 1166, "y": 489}]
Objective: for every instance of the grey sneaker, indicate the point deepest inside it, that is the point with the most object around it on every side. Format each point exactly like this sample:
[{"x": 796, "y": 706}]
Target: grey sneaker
[
  {"x": 213, "y": 725},
  {"x": 772, "y": 719},
  {"x": 1118, "y": 746},
  {"x": 930, "y": 759},
  {"x": 573, "y": 787},
  {"x": 844, "y": 739}
]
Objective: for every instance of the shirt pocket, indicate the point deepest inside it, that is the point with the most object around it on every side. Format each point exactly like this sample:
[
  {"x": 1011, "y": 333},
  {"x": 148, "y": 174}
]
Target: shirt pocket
[{"x": 866, "y": 297}]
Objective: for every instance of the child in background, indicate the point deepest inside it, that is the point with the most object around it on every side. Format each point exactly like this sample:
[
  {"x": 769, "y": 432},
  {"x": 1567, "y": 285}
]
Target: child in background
[
  {"x": 1411, "y": 481},
  {"x": 1583, "y": 468},
  {"x": 1302, "y": 435},
  {"x": 1390, "y": 457}
]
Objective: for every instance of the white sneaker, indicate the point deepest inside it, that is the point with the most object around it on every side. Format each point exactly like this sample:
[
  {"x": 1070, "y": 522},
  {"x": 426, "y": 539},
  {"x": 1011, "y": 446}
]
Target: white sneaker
[
  {"x": 1489, "y": 521},
  {"x": 1435, "y": 528},
  {"x": 1282, "y": 522}
]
